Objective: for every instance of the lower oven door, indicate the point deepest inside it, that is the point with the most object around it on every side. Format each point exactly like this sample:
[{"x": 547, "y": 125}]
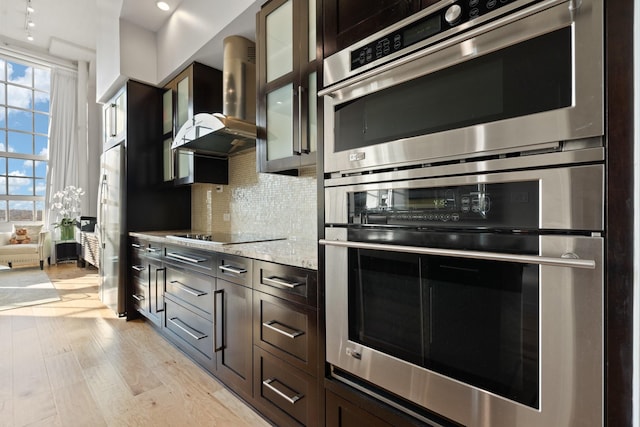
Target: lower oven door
[{"x": 483, "y": 339}]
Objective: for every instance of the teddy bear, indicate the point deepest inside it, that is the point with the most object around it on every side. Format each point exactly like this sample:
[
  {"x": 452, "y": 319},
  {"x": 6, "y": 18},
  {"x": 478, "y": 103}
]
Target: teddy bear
[{"x": 20, "y": 237}]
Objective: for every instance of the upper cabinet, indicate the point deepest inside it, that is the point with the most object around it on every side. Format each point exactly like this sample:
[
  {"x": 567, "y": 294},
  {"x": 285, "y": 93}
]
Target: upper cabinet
[
  {"x": 287, "y": 85},
  {"x": 197, "y": 89},
  {"x": 115, "y": 118},
  {"x": 348, "y": 21}
]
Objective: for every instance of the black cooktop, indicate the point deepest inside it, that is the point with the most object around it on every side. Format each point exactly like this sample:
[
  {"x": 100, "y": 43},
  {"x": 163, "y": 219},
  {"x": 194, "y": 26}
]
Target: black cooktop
[{"x": 223, "y": 238}]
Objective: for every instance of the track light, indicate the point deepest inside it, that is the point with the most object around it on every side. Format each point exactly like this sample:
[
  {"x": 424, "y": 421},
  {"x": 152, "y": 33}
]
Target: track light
[{"x": 28, "y": 22}]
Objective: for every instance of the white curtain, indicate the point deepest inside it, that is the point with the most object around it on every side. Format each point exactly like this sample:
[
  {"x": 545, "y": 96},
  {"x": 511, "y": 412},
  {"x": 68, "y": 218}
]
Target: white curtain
[{"x": 63, "y": 136}]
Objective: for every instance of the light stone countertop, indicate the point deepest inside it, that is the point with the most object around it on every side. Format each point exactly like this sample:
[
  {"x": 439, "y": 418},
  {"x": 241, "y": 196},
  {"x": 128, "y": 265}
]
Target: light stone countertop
[{"x": 294, "y": 252}]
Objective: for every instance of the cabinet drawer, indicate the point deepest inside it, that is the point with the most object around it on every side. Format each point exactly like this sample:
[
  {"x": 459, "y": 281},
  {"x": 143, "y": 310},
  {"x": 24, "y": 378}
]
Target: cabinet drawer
[
  {"x": 200, "y": 261},
  {"x": 287, "y": 395},
  {"x": 139, "y": 269},
  {"x": 287, "y": 330},
  {"x": 234, "y": 269},
  {"x": 191, "y": 288},
  {"x": 154, "y": 250},
  {"x": 140, "y": 296},
  {"x": 195, "y": 333},
  {"x": 292, "y": 283}
]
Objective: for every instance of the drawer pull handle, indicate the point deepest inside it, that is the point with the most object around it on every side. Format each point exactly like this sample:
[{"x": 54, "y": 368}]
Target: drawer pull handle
[
  {"x": 274, "y": 280},
  {"x": 268, "y": 383},
  {"x": 271, "y": 325},
  {"x": 230, "y": 269},
  {"x": 138, "y": 298},
  {"x": 218, "y": 315},
  {"x": 196, "y": 335},
  {"x": 188, "y": 289},
  {"x": 153, "y": 250},
  {"x": 138, "y": 267},
  {"x": 135, "y": 245},
  {"x": 185, "y": 258},
  {"x": 159, "y": 305}
]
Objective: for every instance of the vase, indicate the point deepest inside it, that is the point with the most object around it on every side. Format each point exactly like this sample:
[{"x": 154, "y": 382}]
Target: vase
[{"x": 67, "y": 232}]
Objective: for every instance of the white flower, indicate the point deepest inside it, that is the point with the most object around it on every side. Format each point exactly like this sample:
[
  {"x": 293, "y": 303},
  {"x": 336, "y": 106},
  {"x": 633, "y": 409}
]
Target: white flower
[{"x": 66, "y": 203}]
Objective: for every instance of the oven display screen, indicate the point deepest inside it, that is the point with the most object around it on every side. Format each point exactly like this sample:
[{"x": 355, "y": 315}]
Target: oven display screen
[
  {"x": 432, "y": 203},
  {"x": 422, "y": 30}
]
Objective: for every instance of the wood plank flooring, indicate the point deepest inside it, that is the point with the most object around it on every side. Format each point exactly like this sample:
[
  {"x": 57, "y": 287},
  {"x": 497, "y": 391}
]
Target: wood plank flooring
[{"x": 74, "y": 363}]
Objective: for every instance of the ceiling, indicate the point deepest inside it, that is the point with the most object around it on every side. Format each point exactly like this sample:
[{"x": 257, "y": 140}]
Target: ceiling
[{"x": 68, "y": 27}]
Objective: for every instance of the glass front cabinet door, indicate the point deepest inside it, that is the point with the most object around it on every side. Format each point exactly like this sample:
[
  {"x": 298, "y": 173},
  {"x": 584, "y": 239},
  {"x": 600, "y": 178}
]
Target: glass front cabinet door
[{"x": 287, "y": 93}]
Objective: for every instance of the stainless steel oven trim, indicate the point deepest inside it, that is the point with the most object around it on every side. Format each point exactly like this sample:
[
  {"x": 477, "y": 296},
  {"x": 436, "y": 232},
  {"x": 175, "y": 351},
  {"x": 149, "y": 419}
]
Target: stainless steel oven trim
[
  {"x": 571, "y": 198},
  {"x": 571, "y": 348},
  {"x": 579, "y": 156},
  {"x": 584, "y": 119}
]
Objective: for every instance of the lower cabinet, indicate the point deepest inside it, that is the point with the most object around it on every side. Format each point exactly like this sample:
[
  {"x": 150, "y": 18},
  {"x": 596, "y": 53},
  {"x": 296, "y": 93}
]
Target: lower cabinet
[
  {"x": 252, "y": 324},
  {"x": 190, "y": 332},
  {"x": 188, "y": 316},
  {"x": 156, "y": 291},
  {"x": 232, "y": 337},
  {"x": 341, "y": 412},
  {"x": 286, "y": 395}
]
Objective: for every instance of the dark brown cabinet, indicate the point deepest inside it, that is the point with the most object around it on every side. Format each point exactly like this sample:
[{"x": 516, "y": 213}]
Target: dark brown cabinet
[
  {"x": 341, "y": 412},
  {"x": 348, "y": 407},
  {"x": 196, "y": 89},
  {"x": 189, "y": 298},
  {"x": 148, "y": 280},
  {"x": 349, "y": 21},
  {"x": 232, "y": 322},
  {"x": 232, "y": 338},
  {"x": 287, "y": 107},
  {"x": 285, "y": 336}
]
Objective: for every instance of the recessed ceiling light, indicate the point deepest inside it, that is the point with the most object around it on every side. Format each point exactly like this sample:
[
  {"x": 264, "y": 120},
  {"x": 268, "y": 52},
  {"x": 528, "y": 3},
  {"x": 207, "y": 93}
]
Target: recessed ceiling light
[
  {"x": 162, "y": 5},
  {"x": 30, "y": 23},
  {"x": 29, "y": 37}
]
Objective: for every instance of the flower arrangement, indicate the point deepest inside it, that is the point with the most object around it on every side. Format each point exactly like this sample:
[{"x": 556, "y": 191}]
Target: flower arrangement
[{"x": 66, "y": 205}]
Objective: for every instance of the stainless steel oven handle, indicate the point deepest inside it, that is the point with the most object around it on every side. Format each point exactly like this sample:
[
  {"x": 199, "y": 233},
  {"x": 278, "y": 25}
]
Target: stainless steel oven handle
[{"x": 567, "y": 260}]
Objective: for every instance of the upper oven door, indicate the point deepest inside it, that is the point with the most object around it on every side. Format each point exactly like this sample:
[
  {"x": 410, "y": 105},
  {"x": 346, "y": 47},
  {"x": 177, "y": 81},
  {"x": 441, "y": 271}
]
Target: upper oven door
[{"x": 522, "y": 82}]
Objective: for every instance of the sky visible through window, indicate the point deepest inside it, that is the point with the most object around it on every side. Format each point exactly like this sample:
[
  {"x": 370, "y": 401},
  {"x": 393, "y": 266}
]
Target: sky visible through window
[{"x": 24, "y": 139}]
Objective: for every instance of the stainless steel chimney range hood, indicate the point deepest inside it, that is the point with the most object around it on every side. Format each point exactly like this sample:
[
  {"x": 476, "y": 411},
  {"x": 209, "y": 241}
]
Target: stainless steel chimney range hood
[
  {"x": 233, "y": 130},
  {"x": 216, "y": 134}
]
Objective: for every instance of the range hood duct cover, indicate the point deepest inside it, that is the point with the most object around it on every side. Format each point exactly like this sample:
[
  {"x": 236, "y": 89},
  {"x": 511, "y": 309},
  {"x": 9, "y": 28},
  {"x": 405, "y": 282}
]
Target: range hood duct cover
[{"x": 234, "y": 129}]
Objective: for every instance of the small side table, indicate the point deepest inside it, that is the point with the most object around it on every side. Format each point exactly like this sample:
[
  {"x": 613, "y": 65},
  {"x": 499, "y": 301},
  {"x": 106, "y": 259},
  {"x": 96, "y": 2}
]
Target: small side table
[{"x": 65, "y": 250}]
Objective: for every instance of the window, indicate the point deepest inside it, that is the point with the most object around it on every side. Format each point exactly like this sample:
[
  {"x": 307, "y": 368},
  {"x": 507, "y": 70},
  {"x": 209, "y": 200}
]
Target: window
[{"x": 24, "y": 139}]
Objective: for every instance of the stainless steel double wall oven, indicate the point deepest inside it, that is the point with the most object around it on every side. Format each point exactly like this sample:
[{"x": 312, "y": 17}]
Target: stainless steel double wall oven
[{"x": 464, "y": 210}]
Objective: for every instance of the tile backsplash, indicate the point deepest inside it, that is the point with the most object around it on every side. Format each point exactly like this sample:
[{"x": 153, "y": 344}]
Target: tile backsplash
[{"x": 257, "y": 202}]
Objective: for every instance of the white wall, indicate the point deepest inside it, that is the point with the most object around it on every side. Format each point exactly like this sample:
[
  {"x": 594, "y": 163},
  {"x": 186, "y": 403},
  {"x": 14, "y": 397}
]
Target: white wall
[
  {"x": 138, "y": 53},
  {"x": 107, "y": 46},
  {"x": 193, "y": 26}
]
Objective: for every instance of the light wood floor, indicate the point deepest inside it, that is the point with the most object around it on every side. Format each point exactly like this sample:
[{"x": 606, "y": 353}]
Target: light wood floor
[{"x": 74, "y": 363}]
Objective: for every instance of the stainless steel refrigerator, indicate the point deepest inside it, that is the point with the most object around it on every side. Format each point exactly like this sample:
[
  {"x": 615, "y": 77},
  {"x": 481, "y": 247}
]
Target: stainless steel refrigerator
[{"x": 111, "y": 229}]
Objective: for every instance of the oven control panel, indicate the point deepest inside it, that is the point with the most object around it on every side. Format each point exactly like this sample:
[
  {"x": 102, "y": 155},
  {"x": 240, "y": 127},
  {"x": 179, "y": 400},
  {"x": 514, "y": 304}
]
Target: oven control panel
[
  {"x": 512, "y": 205},
  {"x": 422, "y": 29}
]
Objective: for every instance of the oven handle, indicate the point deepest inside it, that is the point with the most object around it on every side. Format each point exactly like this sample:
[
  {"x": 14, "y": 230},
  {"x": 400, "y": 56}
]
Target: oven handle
[{"x": 566, "y": 260}]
